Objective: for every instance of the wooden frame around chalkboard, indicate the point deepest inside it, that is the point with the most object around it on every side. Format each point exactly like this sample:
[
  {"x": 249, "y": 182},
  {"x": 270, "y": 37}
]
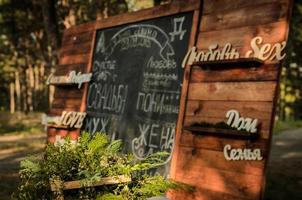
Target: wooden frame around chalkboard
[{"x": 78, "y": 48}]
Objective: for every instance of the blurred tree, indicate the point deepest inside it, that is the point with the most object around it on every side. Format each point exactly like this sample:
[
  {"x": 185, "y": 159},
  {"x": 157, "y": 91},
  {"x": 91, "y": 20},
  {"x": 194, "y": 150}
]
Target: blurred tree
[{"x": 290, "y": 102}]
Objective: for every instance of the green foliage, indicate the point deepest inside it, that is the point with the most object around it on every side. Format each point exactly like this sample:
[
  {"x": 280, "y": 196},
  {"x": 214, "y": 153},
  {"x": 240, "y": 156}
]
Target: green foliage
[{"x": 89, "y": 160}]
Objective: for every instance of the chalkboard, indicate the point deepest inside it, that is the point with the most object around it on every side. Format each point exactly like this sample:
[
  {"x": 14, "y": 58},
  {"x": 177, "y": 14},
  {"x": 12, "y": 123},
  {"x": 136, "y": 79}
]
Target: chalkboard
[{"x": 136, "y": 83}]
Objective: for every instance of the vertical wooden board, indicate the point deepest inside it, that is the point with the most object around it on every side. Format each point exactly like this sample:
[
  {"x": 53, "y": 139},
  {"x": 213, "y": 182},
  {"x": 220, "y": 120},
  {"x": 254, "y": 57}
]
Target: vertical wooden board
[{"x": 184, "y": 93}]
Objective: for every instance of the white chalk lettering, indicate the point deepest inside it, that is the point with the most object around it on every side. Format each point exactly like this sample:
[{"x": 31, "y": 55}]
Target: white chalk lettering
[{"x": 107, "y": 97}]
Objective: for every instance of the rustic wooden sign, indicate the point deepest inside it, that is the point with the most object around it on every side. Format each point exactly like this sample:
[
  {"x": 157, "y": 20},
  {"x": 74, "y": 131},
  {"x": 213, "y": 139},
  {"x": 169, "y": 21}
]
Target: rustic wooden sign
[
  {"x": 229, "y": 54},
  {"x": 134, "y": 63},
  {"x": 232, "y": 167}
]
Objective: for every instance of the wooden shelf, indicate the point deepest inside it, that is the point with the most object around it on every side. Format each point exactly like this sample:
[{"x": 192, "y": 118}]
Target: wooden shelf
[
  {"x": 58, "y": 186},
  {"x": 219, "y": 132},
  {"x": 241, "y": 62}
]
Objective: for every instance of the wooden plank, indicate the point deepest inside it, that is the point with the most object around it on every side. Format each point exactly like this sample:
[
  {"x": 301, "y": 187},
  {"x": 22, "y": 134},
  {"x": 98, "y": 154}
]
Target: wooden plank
[
  {"x": 210, "y": 6},
  {"x": 233, "y": 183},
  {"x": 242, "y": 36},
  {"x": 75, "y": 49},
  {"x": 204, "y": 158},
  {"x": 264, "y": 128},
  {"x": 56, "y": 185},
  {"x": 74, "y": 59},
  {"x": 214, "y": 144},
  {"x": 152, "y": 13},
  {"x": 233, "y": 91},
  {"x": 77, "y": 39},
  {"x": 247, "y": 16},
  {"x": 218, "y": 109},
  {"x": 263, "y": 73},
  {"x": 204, "y": 194},
  {"x": 74, "y": 30},
  {"x": 65, "y": 92},
  {"x": 63, "y": 70},
  {"x": 66, "y": 103}
]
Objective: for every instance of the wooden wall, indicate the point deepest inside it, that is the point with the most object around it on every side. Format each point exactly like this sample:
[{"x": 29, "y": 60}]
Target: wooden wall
[
  {"x": 208, "y": 94},
  {"x": 75, "y": 54}
]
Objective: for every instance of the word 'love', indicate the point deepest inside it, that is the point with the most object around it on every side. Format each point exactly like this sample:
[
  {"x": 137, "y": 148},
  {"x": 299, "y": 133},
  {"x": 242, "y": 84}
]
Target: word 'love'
[
  {"x": 69, "y": 119},
  {"x": 72, "y": 78},
  {"x": 240, "y": 123},
  {"x": 241, "y": 154}
]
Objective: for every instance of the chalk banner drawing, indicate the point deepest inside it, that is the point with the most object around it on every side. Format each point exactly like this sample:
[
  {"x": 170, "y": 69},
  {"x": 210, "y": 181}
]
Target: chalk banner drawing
[{"x": 136, "y": 82}]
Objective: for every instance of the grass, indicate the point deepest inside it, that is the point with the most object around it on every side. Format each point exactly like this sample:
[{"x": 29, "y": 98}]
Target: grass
[
  {"x": 20, "y": 123},
  {"x": 281, "y": 126}
]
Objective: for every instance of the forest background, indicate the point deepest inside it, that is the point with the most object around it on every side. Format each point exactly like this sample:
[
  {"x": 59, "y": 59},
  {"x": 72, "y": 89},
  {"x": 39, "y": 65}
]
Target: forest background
[{"x": 30, "y": 40}]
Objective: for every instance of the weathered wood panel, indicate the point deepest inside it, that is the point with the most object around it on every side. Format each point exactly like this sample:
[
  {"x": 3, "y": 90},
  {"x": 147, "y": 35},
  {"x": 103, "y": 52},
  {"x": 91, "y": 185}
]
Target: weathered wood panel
[
  {"x": 242, "y": 36},
  {"x": 190, "y": 120},
  {"x": 233, "y": 183},
  {"x": 204, "y": 194},
  {"x": 199, "y": 159},
  {"x": 217, "y": 143},
  {"x": 247, "y": 16},
  {"x": 217, "y": 109},
  {"x": 205, "y": 158},
  {"x": 233, "y": 91},
  {"x": 210, "y": 6},
  {"x": 77, "y": 38},
  {"x": 67, "y": 93},
  {"x": 262, "y": 73},
  {"x": 74, "y": 59},
  {"x": 75, "y": 49}
]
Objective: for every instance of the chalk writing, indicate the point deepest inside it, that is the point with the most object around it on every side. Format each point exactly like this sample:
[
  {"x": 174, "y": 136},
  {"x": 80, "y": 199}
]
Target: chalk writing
[
  {"x": 156, "y": 102},
  {"x": 234, "y": 120},
  {"x": 107, "y": 97},
  {"x": 161, "y": 64},
  {"x": 101, "y": 44},
  {"x": 147, "y": 142},
  {"x": 178, "y": 23},
  {"x": 241, "y": 154}
]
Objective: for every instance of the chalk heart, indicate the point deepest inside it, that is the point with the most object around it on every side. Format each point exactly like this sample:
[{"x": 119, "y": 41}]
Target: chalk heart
[
  {"x": 266, "y": 51},
  {"x": 240, "y": 123}
]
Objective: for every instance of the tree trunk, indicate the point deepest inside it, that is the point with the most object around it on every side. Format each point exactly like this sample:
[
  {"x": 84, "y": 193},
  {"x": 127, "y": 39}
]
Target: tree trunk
[
  {"x": 12, "y": 97},
  {"x": 50, "y": 23},
  {"x": 18, "y": 90},
  {"x": 29, "y": 93}
]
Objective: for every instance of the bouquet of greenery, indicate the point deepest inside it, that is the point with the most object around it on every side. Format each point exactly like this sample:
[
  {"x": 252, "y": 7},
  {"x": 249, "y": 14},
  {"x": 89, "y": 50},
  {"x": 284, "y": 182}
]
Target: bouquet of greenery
[{"x": 90, "y": 159}]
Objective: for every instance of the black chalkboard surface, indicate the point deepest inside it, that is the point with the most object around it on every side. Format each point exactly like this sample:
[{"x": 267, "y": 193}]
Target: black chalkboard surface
[{"x": 135, "y": 89}]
